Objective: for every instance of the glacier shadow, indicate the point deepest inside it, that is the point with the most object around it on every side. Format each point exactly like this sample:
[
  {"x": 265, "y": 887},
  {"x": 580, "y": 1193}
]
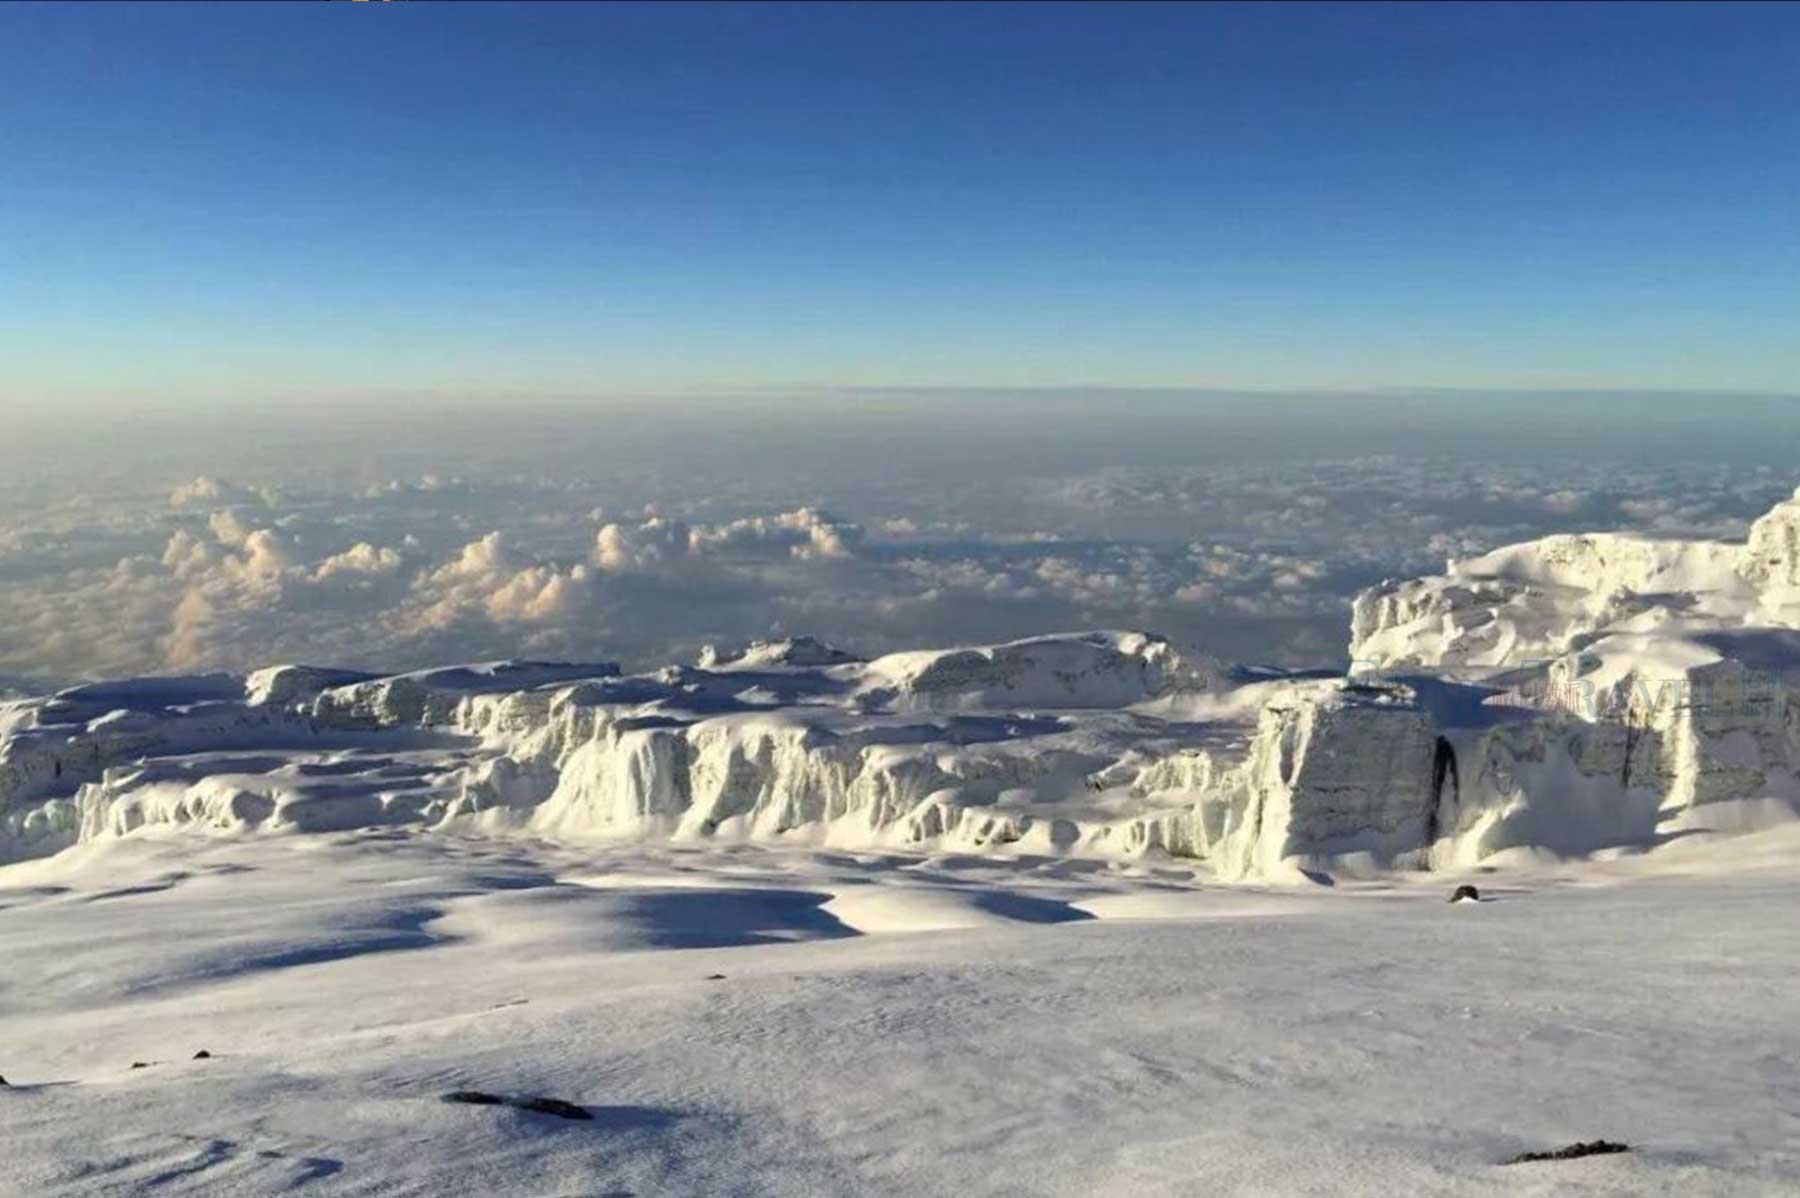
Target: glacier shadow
[
  {"x": 718, "y": 918},
  {"x": 399, "y": 929},
  {"x": 1027, "y": 908}
]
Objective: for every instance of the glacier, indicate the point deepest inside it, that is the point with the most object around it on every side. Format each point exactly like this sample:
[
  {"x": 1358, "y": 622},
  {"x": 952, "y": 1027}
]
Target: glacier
[{"x": 1574, "y": 695}]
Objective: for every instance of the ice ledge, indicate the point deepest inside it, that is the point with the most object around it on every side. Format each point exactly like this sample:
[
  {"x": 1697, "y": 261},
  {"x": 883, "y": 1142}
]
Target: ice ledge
[{"x": 1111, "y": 744}]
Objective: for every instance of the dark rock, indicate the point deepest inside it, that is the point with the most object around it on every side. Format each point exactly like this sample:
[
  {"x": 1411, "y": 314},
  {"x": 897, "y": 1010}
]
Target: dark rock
[
  {"x": 2, "y": 1081},
  {"x": 543, "y": 1106},
  {"x": 554, "y": 1106},
  {"x": 203, "y": 1055},
  {"x": 715, "y": 977},
  {"x": 474, "y": 1097},
  {"x": 140, "y": 1064},
  {"x": 1465, "y": 891},
  {"x": 1571, "y": 1152}
]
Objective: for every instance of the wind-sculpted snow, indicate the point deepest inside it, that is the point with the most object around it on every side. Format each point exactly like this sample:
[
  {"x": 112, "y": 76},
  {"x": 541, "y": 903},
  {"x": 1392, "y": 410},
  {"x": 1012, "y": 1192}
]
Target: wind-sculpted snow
[{"x": 1564, "y": 696}]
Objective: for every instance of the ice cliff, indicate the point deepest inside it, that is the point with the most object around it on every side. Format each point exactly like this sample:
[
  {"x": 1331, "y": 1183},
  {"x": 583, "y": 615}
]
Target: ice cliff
[{"x": 1568, "y": 695}]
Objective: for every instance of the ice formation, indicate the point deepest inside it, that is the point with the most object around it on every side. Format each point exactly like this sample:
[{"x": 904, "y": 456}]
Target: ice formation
[{"x": 1566, "y": 695}]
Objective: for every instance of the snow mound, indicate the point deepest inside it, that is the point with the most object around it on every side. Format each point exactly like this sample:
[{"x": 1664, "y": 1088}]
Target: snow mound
[
  {"x": 802, "y": 651},
  {"x": 1095, "y": 669}
]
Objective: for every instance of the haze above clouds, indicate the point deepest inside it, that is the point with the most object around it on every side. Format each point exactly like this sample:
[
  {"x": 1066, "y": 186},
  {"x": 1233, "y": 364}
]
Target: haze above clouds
[
  {"x": 311, "y": 317},
  {"x": 878, "y": 520}
]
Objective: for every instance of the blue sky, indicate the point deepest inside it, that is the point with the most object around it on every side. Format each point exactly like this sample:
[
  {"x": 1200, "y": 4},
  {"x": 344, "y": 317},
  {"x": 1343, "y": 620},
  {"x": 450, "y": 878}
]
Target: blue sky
[{"x": 567, "y": 200}]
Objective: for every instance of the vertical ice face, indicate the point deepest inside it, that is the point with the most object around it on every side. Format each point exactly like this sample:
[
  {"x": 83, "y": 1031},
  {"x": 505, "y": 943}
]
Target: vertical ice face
[
  {"x": 1771, "y": 563},
  {"x": 1639, "y": 683},
  {"x": 1339, "y": 773}
]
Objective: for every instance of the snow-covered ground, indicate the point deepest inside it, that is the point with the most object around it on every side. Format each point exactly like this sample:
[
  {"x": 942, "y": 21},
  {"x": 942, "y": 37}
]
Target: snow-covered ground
[{"x": 886, "y": 1024}]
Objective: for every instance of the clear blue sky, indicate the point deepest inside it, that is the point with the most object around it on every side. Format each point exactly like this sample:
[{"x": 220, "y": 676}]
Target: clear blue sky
[{"x": 345, "y": 198}]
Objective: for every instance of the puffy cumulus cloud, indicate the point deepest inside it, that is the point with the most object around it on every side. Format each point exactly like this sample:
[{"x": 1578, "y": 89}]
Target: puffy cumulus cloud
[
  {"x": 539, "y": 594},
  {"x": 244, "y": 571},
  {"x": 1250, "y": 559},
  {"x": 658, "y": 543},
  {"x": 215, "y": 592},
  {"x": 230, "y": 598},
  {"x": 206, "y": 491},
  {"x": 188, "y": 556},
  {"x": 488, "y": 579},
  {"x": 361, "y": 561},
  {"x": 802, "y": 533},
  {"x": 255, "y": 558},
  {"x": 227, "y": 528},
  {"x": 479, "y": 560},
  {"x": 203, "y": 489},
  {"x": 650, "y": 545},
  {"x": 264, "y": 558}
]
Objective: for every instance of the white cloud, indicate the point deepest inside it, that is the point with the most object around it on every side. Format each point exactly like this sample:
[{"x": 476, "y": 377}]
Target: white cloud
[
  {"x": 360, "y": 560},
  {"x": 802, "y": 533},
  {"x": 227, "y": 529},
  {"x": 658, "y": 543},
  {"x": 205, "y": 490},
  {"x": 1260, "y": 557},
  {"x": 636, "y": 547},
  {"x": 488, "y": 578}
]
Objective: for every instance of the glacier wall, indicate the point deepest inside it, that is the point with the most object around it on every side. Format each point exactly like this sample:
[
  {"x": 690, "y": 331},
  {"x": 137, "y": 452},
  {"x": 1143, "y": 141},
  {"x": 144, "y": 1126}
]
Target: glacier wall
[
  {"x": 914, "y": 751},
  {"x": 1569, "y": 695}
]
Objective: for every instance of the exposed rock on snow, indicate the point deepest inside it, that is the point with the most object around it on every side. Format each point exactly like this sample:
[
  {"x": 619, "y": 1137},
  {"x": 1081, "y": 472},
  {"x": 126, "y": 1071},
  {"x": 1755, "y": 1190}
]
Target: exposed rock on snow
[
  {"x": 1570, "y": 1152},
  {"x": 554, "y": 1106},
  {"x": 1565, "y": 695},
  {"x": 541, "y": 1106},
  {"x": 474, "y": 1098}
]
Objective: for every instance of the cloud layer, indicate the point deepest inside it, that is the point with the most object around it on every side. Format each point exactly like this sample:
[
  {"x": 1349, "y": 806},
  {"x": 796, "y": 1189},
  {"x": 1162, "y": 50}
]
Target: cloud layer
[{"x": 1251, "y": 560}]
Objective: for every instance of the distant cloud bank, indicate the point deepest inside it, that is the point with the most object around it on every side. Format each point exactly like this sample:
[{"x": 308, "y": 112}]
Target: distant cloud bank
[{"x": 1254, "y": 560}]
